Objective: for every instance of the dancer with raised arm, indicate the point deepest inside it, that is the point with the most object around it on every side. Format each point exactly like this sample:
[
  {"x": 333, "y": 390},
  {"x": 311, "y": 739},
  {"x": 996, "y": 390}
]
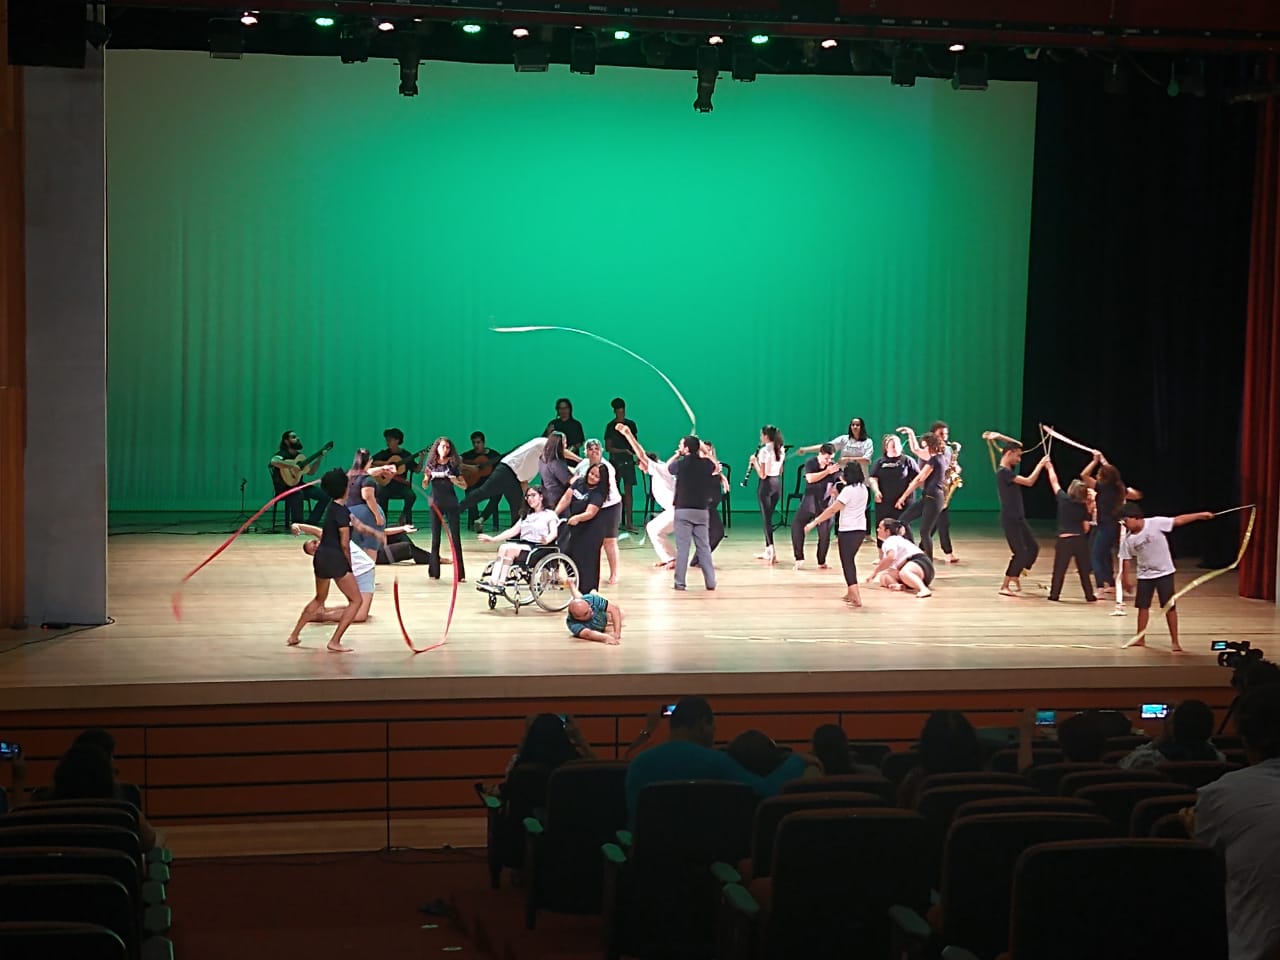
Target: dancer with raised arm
[
  {"x": 767, "y": 463},
  {"x": 1147, "y": 565},
  {"x": 850, "y": 505},
  {"x": 663, "y": 487},
  {"x": 1072, "y": 542},
  {"x": 1013, "y": 514},
  {"x": 1111, "y": 497},
  {"x": 929, "y": 481},
  {"x": 950, "y": 479}
]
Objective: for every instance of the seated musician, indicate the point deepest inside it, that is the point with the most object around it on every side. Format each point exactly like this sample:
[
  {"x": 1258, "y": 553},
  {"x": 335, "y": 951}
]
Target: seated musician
[
  {"x": 289, "y": 467},
  {"x": 477, "y": 464},
  {"x": 399, "y": 487}
]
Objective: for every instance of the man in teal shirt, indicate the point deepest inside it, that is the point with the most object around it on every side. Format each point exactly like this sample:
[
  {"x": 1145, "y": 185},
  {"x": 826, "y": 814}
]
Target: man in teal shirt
[{"x": 690, "y": 755}]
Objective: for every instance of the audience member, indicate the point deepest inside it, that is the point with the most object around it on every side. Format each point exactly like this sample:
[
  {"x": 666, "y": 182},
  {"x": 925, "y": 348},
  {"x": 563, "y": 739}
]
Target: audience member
[
  {"x": 87, "y": 772},
  {"x": 551, "y": 740},
  {"x": 1113, "y": 723},
  {"x": 756, "y": 752},
  {"x": 690, "y": 754},
  {"x": 948, "y": 744},
  {"x": 1238, "y": 815},
  {"x": 831, "y": 747},
  {"x": 1186, "y": 734},
  {"x": 1082, "y": 738}
]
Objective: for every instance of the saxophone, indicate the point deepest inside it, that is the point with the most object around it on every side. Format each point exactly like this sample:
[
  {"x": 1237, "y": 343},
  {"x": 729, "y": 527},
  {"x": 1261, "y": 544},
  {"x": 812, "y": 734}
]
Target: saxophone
[{"x": 951, "y": 480}]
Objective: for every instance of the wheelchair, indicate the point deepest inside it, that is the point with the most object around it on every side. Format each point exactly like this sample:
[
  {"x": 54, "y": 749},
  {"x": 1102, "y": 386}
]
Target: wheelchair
[{"x": 543, "y": 577}]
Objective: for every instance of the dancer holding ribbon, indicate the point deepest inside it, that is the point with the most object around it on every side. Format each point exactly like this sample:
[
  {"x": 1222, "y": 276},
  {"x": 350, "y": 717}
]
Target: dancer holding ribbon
[
  {"x": 1013, "y": 515},
  {"x": 1144, "y": 551}
]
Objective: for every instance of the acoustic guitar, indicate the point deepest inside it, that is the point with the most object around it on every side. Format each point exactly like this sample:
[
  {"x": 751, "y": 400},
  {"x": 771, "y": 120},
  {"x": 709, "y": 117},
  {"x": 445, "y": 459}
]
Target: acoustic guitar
[
  {"x": 478, "y": 469},
  {"x": 291, "y": 471},
  {"x": 399, "y": 463}
]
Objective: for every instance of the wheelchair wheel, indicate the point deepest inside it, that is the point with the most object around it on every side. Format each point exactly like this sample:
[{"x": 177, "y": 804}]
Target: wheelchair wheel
[
  {"x": 493, "y": 601},
  {"x": 549, "y": 582}
]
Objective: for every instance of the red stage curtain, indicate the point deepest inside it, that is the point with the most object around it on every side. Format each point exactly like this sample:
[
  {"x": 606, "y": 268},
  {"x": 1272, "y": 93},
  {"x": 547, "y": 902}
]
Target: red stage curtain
[{"x": 1260, "y": 460}]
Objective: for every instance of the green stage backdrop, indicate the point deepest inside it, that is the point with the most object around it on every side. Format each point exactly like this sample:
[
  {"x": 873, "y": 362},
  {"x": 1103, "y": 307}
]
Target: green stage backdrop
[{"x": 295, "y": 246}]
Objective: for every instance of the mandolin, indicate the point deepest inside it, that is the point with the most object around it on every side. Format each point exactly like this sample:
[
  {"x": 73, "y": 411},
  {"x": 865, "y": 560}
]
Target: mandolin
[
  {"x": 292, "y": 470},
  {"x": 399, "y": 463}
]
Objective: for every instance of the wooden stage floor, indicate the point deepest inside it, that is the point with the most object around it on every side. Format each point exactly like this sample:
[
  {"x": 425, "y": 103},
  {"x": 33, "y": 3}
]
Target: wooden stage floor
[{"x": 765, "y": 630}]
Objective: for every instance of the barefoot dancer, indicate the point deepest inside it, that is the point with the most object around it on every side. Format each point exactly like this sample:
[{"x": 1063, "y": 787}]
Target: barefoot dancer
[
  {"x": 663, "y": 487},
  {"x": 1013, "y": 515},
  {"x": 592, "y": 617},
  {"x": 902, "y": 563},
  {"x": 1144, "y": 550},
  {"x": 768, "y": 463},
  {"x": 332, "y": 562},
  {"x": 851, "y": 529}
]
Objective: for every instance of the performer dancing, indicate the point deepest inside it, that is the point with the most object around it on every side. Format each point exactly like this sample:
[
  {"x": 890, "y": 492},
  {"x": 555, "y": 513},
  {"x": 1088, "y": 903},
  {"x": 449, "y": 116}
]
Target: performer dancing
[
  {"x": 511, "y": 474},
  {"x": 443, "y": 471},
  {"x": 768, "y": 462},
  {"x": 901, "y": 563},
  {"x": 362, "y": 567},
  {"x": 1013, "y": 514},
  {"x": 930, "y": 483},
  {"x": 554, "y": 472},
  {"x": 939, "y": 429},
  {"x": 696, "y": 477},
  {"x": 332, "y": 563},
  {"x": 592, "y": 617},
  {"x": 537, "y": 528},
  {"x": 1073, "y": 541},
  {"x": 362, "y": 500},
  {"x": 1144, "y": 551},
  {"x": 611, "y": 510},
  {"x": 1112, "y": 494},
  {"x": 624, "y": 464},
  {"x": 818, "y": 473},
  {"x": 852, "y": 445},
  {"x": 581, "y": 535},
  {"x": 851, "y": 527},
  {"x": 890, "y": 477},
  {"x": 663, "y": 487}
]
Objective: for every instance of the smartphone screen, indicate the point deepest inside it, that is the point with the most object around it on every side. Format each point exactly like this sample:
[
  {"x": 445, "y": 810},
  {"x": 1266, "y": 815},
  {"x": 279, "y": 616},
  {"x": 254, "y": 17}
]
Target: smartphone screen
[
  {"x": 669, "y": 709},
  {"x": 1217, "y": 645},
  {"x": 1154, "y": 711},
  {"x": 9, "y": 750},
  {"x": 1046, "y": 718},
  {"x": 564, "y": 717}
]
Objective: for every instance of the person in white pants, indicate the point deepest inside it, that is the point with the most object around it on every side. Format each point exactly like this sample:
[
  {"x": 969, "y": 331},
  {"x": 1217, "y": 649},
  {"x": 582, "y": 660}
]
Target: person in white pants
[{"x": 663, "y": 486}]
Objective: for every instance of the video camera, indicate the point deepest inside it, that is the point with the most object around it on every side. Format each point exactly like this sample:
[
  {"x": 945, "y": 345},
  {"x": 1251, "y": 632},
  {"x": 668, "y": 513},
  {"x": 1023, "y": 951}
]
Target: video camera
[{"x": 1234, "y": 654}]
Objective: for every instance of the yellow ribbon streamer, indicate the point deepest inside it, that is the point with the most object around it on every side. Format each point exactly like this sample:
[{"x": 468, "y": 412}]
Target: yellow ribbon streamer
[{"x": 1200, "y": 580}]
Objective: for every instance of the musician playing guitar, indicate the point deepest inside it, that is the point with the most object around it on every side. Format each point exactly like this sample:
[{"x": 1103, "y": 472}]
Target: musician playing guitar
[
  {"x": 399, "y": 487},
  {"x": 290, "y": 467},
  {"x": 477, "y": 464}
]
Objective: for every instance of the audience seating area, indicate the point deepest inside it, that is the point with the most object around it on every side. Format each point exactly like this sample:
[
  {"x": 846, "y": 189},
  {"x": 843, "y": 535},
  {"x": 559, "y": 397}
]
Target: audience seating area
[{"x": 986, "y": 864}]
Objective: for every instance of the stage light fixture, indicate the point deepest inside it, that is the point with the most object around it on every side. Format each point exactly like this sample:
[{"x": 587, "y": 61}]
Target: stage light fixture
[
  {"x": 759, "y": 39},
  {"x": 353, "y": 43},
  {"x": 708, "y": 73},
  {"x": 744, "y": 62},
  {"x": 715, "y": 40},
  {"x": 520, "y": 32},
  {"x": 386, "y": 26},
  {"x": 902, "y": 70},
  {"x": 971, "y": 72},
  {"x": 582, "y": 53},
  {"x": 533, "y": 56},
  {"x": 657, "y": 49},
  {"x": 956, "y": 48},
  {"x": 249, "y": 18},
  {"x": 409, "y": 57},
  {"x": 325, "y": 21},
  {"x": 830, "y": 43},
  {"x": 226, "y": 39},
  {"x": 471, "y": 28},
  {"x": 622, "y": 34}
]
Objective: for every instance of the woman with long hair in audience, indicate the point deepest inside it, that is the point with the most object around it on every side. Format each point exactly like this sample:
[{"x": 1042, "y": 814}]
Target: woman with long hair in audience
[
  {"x": 443, "y": 472},
  {"x": 948, "y": 744},
  {"x": 767, "y": 463},
  {"x": 851, "y": 529}
]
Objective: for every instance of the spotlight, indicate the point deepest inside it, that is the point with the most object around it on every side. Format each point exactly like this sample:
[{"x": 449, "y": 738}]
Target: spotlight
[
  {"x": 708, "y": 73},
  {"x": 956, "y": 48},
  {"x": 353, "y": 43},
  {"x": 715, "y": 40},
  {"x": 520, "y": 32},
  {"x": 622, "y": 34},
  {"x": 744, "y": 62},
  {"x": 902, "y": 71},
  {"x": 324, "y": 21},
  {"x": 830, "y": 43},
  {"x": 532, "y": 56},
  {"x": 386, "y": 26},
  {"x": 409, "y": 59},
  {"x": 249, "y": 18},
  {"x": 760, "y": 38},
  {"x": 657, "y": 49},
  {"x": 226, "y": 39},
  {"x": 971, "y": 72},
  {"x": 582, "y": 53},
  {"x": 471, "y": 28}
]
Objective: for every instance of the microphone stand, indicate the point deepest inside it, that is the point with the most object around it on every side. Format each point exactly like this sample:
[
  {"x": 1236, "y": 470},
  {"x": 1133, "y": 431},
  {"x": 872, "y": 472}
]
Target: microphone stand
[{"x": 244, "y": 513}]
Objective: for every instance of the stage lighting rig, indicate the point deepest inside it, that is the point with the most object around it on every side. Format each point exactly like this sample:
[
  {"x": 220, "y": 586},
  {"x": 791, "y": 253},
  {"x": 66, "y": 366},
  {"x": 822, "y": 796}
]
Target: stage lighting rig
[
  {"x": 971, "y": 72},
  {"x": 744, "y": 64},
  {"x": 902, "y": 69},
  {"x": 353, "y": 42},
  {"x": 409, "y": 56},
  {"x": 708, "y": 73},
  {"x": 226, "y": 39},
  {"x": 582, "y": 53},
  {"x": 534, "y": 55}
]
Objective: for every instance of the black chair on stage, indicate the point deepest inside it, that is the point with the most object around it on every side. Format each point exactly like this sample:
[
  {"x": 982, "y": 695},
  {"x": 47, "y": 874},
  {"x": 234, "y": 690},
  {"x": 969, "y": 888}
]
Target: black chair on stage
[
  {"x": 726, "y": 510},
  {"x": 796, "y": 494}
]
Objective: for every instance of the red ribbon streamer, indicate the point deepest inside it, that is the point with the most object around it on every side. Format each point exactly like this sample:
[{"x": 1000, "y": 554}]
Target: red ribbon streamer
[
  {"x": 176, "y": 599},
  {"x": 453, "y": 596}
]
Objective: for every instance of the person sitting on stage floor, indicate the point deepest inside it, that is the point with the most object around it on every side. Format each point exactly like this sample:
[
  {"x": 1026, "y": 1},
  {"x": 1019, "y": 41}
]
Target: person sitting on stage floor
[
  {"x": 690, "y": 754},
  {"x": 663, "y": 487},
  {"x": 1147, "y": 565},
  {"x": 537, "y": 528},
  {"x": 1187, "y": 730},
  {"x": 902, "y": 562},
  {"x": 510, "y": 476},
  {"x": 948, "y": 744},
  {"x": 332, "y": 563},
  {"x": 592, "y": 617},
  {"x": 398, "y": 486},
  {"x": 288, "y": 455},
  {"x": 477, "y": 465}
]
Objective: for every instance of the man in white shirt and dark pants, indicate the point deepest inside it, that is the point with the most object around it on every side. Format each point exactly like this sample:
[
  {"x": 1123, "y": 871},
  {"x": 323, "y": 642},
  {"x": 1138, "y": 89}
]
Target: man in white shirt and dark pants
[
  {"x": 1144, "y": 548},
  {"x": 509, "y": 478}
]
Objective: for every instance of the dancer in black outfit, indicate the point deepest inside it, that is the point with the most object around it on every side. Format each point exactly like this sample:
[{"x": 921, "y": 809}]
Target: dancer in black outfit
[
  {"x": 443, "y": 471},
  {"x": 332, "y": 563},
  {"x": 1112, "y": 493},
  {"x": 819, "y": 478},
  {"x": 1013, "y": 515},
  {"x": 566, "y": 424},
  {"x": 768, "y": 462},
  {"x": 1073, "y": 535},
  {"x": 930, "y": 483},
  {"x": 582, "y": 533},
  {"x": 889, "y": 479}
]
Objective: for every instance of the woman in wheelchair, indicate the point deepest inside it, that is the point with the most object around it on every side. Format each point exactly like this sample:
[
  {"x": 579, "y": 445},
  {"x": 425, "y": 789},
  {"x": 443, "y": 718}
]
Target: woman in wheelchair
[{"x": 537, "y": 527}]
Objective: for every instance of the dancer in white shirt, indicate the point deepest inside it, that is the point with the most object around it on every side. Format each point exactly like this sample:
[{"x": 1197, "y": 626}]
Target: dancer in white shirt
[
  {"x": 851, "y": 529},
  {"x": 663, "y": 486},
  {"x": 538, "y": 527},
  {"x": 768, "y": 463},
  {"x": 902, "y": 563},
  {"x": 1147, "y": 565}
]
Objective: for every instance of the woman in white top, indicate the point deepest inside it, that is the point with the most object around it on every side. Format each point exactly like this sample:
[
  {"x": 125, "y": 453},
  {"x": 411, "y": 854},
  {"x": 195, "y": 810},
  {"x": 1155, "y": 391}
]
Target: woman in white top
[
  {"x": 854, "y": 445},
  {"x": 851, "y": 529},
  {"x": 537, "y": 527},
  {"x": 902, "y": 563},
  {"x": 663, "y": 487},
  {"x": 768, "y": 463}
]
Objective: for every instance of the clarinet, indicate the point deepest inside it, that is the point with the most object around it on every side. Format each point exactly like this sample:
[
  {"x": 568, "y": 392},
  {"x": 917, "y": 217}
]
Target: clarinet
[{"x": 746, "y": 474}]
